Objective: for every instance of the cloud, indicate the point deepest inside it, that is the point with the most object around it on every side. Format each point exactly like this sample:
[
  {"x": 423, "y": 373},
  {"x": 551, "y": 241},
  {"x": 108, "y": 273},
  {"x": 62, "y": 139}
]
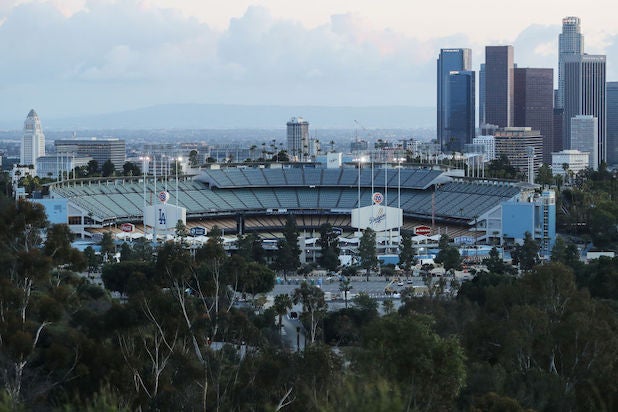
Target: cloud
[
  {"x": 67, "y": 58},
  {"x": 537, "y": 46}
]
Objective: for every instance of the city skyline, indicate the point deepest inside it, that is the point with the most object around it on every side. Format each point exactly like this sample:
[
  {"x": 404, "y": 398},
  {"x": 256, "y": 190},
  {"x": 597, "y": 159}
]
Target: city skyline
[{"x": 135, "y": 54}]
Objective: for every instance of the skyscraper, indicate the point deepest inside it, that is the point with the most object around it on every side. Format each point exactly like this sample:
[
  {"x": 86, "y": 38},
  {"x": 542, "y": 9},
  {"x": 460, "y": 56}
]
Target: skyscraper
[
  {"x": 450, "y": 60},
  {"x": 482, "y": 95},
  {"x": 514, "y": 143},
  {"x": 584, "y": 131},
  {"x": 612, "y": 123},
  {"x": 584, "y": 93},
  {"x": 33, "y": 140},
  {"x": 499, "y": 85},
  {"x": 533, "y": 100},
  {"x": 570, "y": 42},
  {"x": 461, "y": 111},
  {"x": 298, "y": 138}
]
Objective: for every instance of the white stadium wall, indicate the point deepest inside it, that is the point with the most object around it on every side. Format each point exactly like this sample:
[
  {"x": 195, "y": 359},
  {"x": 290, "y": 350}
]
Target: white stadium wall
[
  {"x": 164, "y": 217},
  {"x": 377, "y": 217}
]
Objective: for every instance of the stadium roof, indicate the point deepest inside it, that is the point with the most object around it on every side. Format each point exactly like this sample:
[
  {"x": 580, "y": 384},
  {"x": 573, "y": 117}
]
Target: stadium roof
[{"x": 319, "y": 177}]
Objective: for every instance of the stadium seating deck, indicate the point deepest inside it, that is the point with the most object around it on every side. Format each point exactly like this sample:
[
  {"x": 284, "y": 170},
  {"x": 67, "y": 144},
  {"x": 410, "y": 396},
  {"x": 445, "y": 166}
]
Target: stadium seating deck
[{"x": 259, "y": 190}]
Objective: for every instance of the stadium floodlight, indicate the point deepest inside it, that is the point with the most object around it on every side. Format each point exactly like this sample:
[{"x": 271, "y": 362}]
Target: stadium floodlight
[{"x": 178, "y": 160}]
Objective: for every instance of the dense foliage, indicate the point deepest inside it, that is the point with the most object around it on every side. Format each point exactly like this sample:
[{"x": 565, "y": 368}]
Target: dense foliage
[{"x": 546, "y": 340}]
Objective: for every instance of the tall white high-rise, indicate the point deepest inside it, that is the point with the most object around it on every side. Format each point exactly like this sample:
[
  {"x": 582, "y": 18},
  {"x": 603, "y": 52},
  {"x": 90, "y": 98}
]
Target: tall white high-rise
[
  {"x": 33, "y": 140},
  {"x": 298, "y": 139},
  {"x": 570, "y": 42}
]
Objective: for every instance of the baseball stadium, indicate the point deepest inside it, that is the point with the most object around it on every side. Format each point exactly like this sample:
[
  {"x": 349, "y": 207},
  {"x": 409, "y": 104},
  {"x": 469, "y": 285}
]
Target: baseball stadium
[{"x": 242, "y": 200}]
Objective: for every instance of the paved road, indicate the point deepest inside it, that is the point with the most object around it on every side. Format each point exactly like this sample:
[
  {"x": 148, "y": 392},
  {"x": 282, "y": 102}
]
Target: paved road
[
  {"x": 292, "y": 337},
  {"x": 374, "y": 287}
]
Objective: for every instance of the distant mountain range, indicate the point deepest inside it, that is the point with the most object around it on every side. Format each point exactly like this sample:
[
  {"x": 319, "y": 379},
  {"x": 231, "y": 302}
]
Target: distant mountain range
[{"x": 219, "y": 116}]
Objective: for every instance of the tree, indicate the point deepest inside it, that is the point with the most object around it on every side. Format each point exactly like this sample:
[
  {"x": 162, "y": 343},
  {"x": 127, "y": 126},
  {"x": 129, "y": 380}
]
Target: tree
[
  {"x": 329, "y": 245},
  {"x": 92, "y": 167},
  {"x": 367, "y": 305},
  {"x": 541, "y": 331},
  {"x": 527, "y": 255},
  {"x": 314, "y": 305},
  {"x": 193, "y": 158},
  {"x": 406, "y": 252},
  {"x": 602, "y": 226},
  {"x": 281, "y": 156},
  {"x": 544, "y": 176},
  {"x": 287, "y": 258},
  {"x": 130, "y": 169},
  {"x": 388, "y": 306},
  {"x": 26, "y": 306},
  {"x": 495, "y": 263},
  {"x": 126, "y": 252},
  {"x": 250, "y": 248},
  {"x": 142, "y": 250},
  {"x": 92, "y": 259},
  {"x": 367, "y": 251},
  {"x": 283, "y": 302},
  {"x": 108, "y": 168},
  {"x": 181, "y": 231},
  {"x": 257, "y": 278},
  {"x": 444, "y": 241},
  {"x": 502, "y": 168},
  {"x": 108, "y": 248},
  {"x": 411, "y": 356},
  {"x": 566, "y": 253},
  {"x": 345, "y": 286},
  {"x": 449, "y": 258},
  {"x": 58, "y": 247}
]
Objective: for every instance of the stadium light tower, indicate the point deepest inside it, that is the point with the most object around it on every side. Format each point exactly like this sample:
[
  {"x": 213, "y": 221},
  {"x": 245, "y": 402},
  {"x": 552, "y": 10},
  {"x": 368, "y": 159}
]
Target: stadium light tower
[
  {"x": 144, "y": 160},
  {"x": 399, "y": 160},
  {"x": 178, "y": 160},
  {"x": 361, "y": 160}
]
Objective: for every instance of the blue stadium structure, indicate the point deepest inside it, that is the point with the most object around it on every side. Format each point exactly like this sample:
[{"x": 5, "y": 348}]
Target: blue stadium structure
[{"x": 259, "y": 199}]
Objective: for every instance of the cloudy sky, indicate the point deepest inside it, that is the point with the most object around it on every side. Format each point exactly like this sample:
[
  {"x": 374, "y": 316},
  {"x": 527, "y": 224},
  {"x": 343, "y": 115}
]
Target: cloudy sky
[{"x": 75, "y": 57}]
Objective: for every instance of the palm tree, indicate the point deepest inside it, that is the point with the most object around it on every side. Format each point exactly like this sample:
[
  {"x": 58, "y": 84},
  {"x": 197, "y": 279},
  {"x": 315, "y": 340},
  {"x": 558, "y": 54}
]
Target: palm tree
[
  {"x": 282, "y": 303},
  {"x": 345, "y": 287},
  {"x": 565, "y": 167}
]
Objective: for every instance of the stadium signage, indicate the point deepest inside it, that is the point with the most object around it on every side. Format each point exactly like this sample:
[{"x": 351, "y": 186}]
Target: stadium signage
[
  {"x": 464, "y": 240},
  {"x": 197, "y": 231},
  {"x": 380, "y": 217},
  {"x": 163, "y": 196},
  {"x": 422, "y": 230},
  {"x": 127, "y": 227},
  {"x": 377, "y": 198}
]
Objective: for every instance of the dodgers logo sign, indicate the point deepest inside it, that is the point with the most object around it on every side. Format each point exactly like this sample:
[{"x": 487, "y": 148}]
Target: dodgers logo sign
[
  {"x": 377, "y": 198},
  {"x": 162, "y": 217},
  {"x": 378, "y": 218},
  {"x": 163, "y": 196}
]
